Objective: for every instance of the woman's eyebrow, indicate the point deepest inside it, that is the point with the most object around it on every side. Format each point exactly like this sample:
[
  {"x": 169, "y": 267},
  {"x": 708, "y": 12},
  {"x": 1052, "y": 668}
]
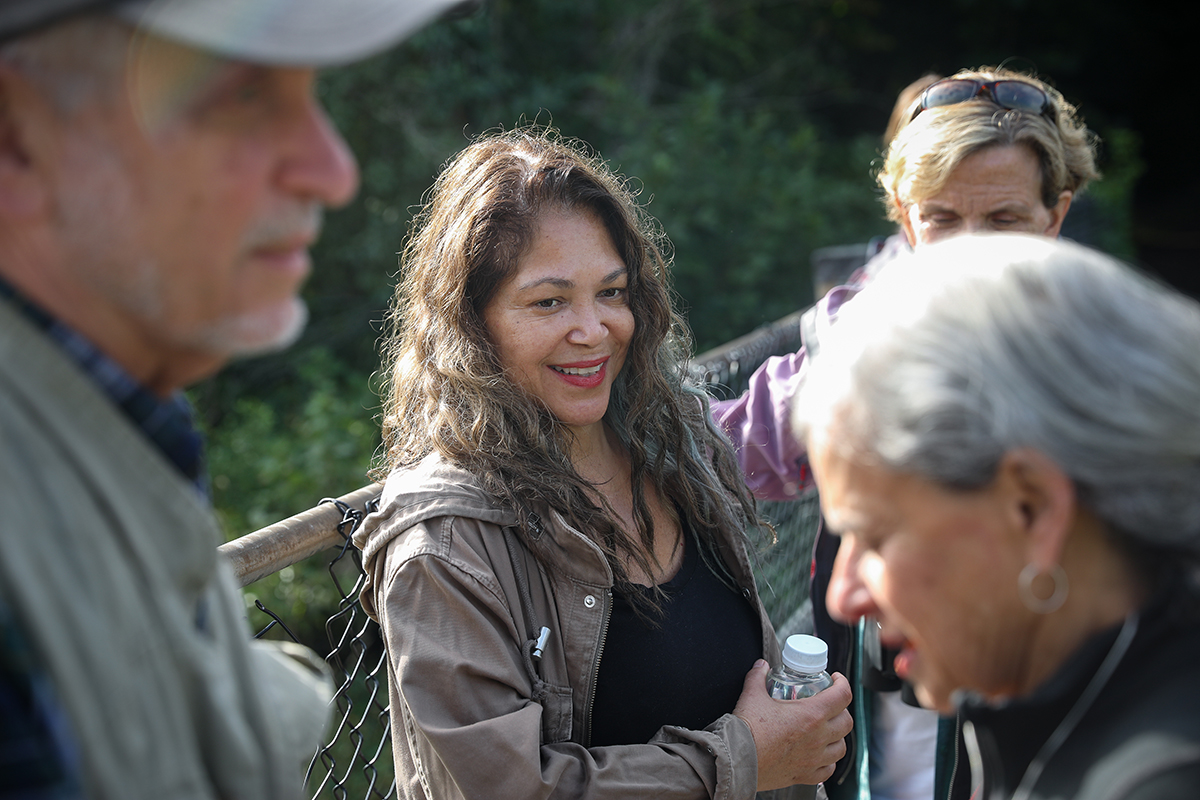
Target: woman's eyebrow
[
  {"x": 560, "y": 283},
  {"x": 564, "y": 283}
]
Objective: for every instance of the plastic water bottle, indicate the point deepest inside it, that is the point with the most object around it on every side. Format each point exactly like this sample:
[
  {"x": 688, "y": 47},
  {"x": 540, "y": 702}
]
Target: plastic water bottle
[{"x": 802, "y": 673}]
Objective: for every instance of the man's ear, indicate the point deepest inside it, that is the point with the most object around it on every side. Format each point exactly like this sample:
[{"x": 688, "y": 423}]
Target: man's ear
[
  {"x": 23, "y": 192},
  {"x": 1059, "y": 213},
  {"x": 1041, "y": 503},
  {"x": 905, "y": 222}
]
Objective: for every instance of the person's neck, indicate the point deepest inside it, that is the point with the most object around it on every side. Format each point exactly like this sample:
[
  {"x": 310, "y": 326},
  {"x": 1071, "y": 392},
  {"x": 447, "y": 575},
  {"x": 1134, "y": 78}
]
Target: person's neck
[
  {"x": 110, "y": 330},
  {"x": 1104, "y": 588},
  {"x": 601, "y": 459},
  {"x": 596, "y": 453}
]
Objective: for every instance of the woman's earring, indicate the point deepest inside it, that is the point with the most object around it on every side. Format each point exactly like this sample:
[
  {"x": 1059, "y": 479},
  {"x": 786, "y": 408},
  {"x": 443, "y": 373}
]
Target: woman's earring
[{"x": 1037, "y": 604}]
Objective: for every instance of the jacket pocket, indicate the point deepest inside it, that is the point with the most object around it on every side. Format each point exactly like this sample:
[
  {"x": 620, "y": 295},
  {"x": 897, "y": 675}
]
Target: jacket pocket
[{"x": 556, "y": 711}]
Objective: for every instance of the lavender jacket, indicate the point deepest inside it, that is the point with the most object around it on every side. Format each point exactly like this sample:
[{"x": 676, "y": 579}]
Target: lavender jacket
[{"x": 758, "y": 423}]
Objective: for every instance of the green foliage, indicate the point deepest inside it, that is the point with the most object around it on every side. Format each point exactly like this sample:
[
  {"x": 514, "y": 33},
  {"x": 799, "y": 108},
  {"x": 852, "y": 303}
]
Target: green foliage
[
  {"x": 275, "y": 456},
  {"x": 1121, "y": 166},
  {"x": 745, "y": 200},
  {"x": 697, "y": 100},
  {"x": 751, "y": 127},
  {"x": 266, "y": 454}
]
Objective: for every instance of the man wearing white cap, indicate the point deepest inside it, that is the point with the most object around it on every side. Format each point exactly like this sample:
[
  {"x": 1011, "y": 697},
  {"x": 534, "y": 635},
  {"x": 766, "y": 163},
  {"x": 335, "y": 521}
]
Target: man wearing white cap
[{"x": 163, "y": 169}]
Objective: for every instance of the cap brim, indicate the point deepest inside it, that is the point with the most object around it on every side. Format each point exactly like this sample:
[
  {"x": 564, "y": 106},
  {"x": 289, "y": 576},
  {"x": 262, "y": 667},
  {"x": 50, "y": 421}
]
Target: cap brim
[{"x": 286, "y": 32}]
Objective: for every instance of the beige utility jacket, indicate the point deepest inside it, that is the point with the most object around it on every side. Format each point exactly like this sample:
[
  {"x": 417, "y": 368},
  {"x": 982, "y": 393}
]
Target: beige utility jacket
[{"x": 472, "y": 717}]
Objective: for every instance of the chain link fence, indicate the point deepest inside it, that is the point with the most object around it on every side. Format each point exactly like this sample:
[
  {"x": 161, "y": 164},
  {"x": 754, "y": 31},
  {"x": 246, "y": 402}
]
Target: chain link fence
[{"x": 356, "y": 761}]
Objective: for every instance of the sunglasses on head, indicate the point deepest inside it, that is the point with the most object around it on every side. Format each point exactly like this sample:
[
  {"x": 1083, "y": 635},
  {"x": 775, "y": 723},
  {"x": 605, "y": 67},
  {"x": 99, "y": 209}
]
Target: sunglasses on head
[{"x": 1017, "y": 95}]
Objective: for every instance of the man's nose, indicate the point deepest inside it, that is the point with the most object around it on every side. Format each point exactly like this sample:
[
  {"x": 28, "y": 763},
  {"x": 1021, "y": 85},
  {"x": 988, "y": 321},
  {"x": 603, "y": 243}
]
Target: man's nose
[
  {"x": 321, "y": 166},
  {"x": 973, "y": 225}
]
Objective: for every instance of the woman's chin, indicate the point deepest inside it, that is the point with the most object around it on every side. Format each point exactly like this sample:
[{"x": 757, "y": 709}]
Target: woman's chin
[
  {"x": 940, "y": 702},
  {"x": 929, "y": 692}
]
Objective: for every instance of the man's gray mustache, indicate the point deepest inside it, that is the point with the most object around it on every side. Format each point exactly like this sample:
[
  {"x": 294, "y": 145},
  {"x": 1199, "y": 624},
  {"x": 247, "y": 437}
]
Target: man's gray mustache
[{"x": 296, "y": 220}]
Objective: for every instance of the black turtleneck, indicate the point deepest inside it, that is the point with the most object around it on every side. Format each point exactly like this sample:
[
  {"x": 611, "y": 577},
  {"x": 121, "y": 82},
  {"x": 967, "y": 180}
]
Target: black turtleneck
[{"x": 1138, "y": 730}]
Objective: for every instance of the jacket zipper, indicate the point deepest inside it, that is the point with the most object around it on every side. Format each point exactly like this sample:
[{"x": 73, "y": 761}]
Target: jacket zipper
[
  {"x": 954, "y": 764},
  {"x": 587, "y": 742}
]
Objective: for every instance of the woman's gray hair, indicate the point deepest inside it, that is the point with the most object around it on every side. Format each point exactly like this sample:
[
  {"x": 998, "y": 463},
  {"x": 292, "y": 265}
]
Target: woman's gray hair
[{"x": 985, "y": 343}]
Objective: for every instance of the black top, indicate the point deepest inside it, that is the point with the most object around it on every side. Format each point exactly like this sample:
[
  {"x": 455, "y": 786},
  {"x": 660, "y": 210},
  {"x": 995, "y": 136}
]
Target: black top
[
  {"x": 1138, "y": 738},
  {"x": 686, "y": 669}
]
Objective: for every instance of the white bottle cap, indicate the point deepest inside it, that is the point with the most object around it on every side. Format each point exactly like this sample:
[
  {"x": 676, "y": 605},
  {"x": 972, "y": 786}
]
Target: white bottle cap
[{"x": 805, "y": 653}]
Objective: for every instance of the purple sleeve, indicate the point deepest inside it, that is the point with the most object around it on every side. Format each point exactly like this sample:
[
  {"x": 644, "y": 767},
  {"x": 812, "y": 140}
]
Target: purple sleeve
[
  {"x": 758, "y": 422},
  {"x": 774, "y": 463}
]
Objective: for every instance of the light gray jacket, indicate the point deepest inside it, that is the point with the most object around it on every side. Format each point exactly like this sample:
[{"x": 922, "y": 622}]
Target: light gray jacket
[
  {"x": 110, "y": 565},
  {"x": 472, "y": 717}
]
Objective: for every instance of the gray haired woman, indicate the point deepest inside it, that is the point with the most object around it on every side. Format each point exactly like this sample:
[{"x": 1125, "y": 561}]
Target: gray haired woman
[{"x": 1005, "y": 430}]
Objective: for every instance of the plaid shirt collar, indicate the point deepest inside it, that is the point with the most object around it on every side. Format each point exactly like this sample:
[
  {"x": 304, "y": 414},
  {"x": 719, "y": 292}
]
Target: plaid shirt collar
[{"x": 167, "y": 423}]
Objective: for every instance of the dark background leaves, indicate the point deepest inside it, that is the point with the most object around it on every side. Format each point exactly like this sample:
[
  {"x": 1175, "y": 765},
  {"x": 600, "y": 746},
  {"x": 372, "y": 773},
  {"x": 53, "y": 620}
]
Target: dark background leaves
[{"x": 751, "y": 126}]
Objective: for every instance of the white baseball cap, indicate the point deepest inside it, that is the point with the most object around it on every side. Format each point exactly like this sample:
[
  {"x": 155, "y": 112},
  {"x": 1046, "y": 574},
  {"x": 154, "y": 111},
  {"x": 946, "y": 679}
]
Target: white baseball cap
[{"x": 284, "y": 32}]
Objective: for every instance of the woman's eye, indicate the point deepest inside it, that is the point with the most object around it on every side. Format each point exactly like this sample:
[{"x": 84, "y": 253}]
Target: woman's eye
[
  {"x": 613, "y": 293},
  {"x": 550, "y": 302}
]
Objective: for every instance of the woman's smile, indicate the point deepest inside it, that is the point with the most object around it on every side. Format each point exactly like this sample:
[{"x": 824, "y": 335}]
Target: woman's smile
[{"x": 584, "y": 374}]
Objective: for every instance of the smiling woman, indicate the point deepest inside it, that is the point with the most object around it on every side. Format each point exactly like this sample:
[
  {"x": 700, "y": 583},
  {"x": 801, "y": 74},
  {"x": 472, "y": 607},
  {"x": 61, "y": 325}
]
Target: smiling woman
[
  {"x": 561, "y": 324},
  {"x": 563, "y": 530}
]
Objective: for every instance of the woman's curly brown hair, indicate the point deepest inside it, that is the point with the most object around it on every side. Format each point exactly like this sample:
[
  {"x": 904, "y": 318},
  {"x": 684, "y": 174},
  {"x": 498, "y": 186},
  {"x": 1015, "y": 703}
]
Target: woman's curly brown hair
[{"x": 446, "y": 390}]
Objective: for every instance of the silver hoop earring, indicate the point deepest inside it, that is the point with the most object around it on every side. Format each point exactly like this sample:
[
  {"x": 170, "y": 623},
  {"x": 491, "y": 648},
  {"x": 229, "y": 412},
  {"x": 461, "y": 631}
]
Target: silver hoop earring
[{"x": 1037, "y": 604}]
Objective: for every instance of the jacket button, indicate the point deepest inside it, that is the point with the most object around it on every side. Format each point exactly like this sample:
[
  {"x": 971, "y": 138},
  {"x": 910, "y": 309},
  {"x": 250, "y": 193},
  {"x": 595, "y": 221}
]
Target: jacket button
[{"x": 590, "y": 601}]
